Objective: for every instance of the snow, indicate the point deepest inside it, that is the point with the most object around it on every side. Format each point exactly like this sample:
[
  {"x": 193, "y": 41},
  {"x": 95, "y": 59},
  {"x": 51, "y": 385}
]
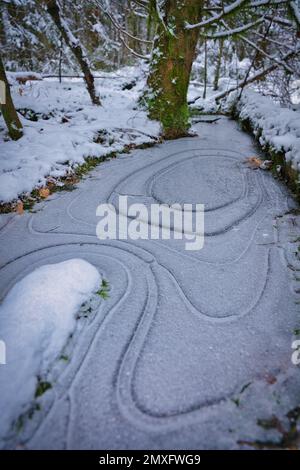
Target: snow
[
  {"x": 14, "y": 77},
  {"x": 279, "y": 127},
  {"x": 36, "y": 318},
  {"x": 52, "y": 148},
  {"x": 73, "y": 41},
  {"x": 296, "y": 12}
]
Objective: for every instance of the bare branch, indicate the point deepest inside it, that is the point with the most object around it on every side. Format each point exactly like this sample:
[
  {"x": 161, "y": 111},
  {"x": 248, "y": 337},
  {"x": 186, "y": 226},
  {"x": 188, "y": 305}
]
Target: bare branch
[
  {"x": 261, "y": 51},
  {"x": 228, "y": 10},
  {"x": 235, "y": 31},
  {"x": 132, "y": 51},
  {"x": 119, "y": 27},
  {"x": 257, "y": 76},
  {"x": 281, "y": 21},
  {"x": 272, "y": 41}
]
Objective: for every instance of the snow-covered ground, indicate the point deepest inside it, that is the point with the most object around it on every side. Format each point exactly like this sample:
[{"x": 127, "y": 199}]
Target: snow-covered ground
[
  {"x": 68, "y": 126},
  {"x": 36, "y": 319}
]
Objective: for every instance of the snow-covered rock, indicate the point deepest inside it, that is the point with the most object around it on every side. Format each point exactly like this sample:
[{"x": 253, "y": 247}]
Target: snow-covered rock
[{"x": 36, "y": 318}]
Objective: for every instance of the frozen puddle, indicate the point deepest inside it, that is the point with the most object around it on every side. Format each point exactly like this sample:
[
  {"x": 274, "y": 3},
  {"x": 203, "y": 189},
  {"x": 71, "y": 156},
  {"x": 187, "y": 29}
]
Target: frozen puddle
[{"x": 190, "y": 349}]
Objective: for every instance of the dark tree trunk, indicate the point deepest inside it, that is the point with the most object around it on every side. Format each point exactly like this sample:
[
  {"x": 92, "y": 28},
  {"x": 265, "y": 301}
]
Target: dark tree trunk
[
  {"x": 60, "y": 60},
  {"x": 8, "y": 110},
  {"x": 170, "y": 69},
  {"x": 205, "y": 69},
  {"x": 218, "y": 65},
  {"x": 55, "y": 13}
]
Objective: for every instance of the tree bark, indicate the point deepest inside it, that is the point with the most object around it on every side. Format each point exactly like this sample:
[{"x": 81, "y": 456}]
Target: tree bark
[
  {"x": 170, "y": 68},
  {"x": 55, "y": 13},
  {"x": 8, "y": 110}
]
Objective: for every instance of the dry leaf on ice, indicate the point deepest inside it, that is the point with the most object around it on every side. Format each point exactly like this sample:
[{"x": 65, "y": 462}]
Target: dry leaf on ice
[
  {"x": 20, "y": 207},
  {"x": 254, "y": 162}
]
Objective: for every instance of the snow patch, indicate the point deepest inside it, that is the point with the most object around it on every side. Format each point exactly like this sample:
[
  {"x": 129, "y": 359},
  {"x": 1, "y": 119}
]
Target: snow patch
[
  {"x": 36, "y": 318},
  {"x": 64, "y": 134}
]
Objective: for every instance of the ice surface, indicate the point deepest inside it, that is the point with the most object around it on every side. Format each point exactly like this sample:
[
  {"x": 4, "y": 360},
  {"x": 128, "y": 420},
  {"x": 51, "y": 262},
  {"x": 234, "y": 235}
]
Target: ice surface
[{"x": 190, "y": 350}]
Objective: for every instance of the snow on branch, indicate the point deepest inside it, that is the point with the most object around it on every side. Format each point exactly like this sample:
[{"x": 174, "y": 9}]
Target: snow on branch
[
  {"x": 273, "y": 58},
  {"x": 295, "y": 12},
  {"x": 159, "y": 4},
  {"x": 256, "y": 76},
  {"x": 261, "y": 3},
  {"x": 132, "y": 51},
  {"x": 143, "y": 4},
  {"x": 281, "y": 21},
  {"x": 123, "y": 32},
  {"x": 228, "y": 10},
  {"x": 272, "y": 41},
  {"x": 235, "y": 31},
  {"x": 265, "y": 54}
]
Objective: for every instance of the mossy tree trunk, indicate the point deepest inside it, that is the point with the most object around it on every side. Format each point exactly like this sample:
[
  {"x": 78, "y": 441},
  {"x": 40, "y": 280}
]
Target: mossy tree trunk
[
  {"x": 8, "y": 110},
  {"x": 171, "y": 64},
  {"x": 74, "y": 44}
]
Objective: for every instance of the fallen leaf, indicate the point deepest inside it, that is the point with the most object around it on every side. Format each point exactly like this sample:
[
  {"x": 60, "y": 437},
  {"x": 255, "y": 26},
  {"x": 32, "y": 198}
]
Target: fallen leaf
[
  {"x": 254, "y": 162},
  {"x": 20, "y": 208},
  {"x": 270, "y": 379},
  {"x": 44, "y": 192}
]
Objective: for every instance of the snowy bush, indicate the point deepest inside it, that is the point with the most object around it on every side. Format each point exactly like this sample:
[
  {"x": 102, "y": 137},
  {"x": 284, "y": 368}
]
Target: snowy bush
[{"x": 276, "y": 127}]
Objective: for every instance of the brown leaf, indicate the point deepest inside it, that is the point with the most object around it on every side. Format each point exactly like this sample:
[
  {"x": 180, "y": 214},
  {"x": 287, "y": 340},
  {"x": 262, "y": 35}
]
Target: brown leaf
[
  {"x": 270, "y": 379},
  {"x": 44, "y": 193},
  {"x": 20, "y": 207},
  {"x": 254, "y": 162}
]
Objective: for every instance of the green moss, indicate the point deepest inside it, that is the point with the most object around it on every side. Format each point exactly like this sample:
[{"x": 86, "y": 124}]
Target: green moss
[
  {"x": 69, "y": 182},
  {"x": 42, "y": 388},
  {"x": 104, "y": 290},
  {"x": 19, "y": 424},
  {"x": 89, "y": 164},
  {"x": 171, "y": 109},
  {"x": 64, "y": 357},
  {"x": 168, "y": 80}
]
